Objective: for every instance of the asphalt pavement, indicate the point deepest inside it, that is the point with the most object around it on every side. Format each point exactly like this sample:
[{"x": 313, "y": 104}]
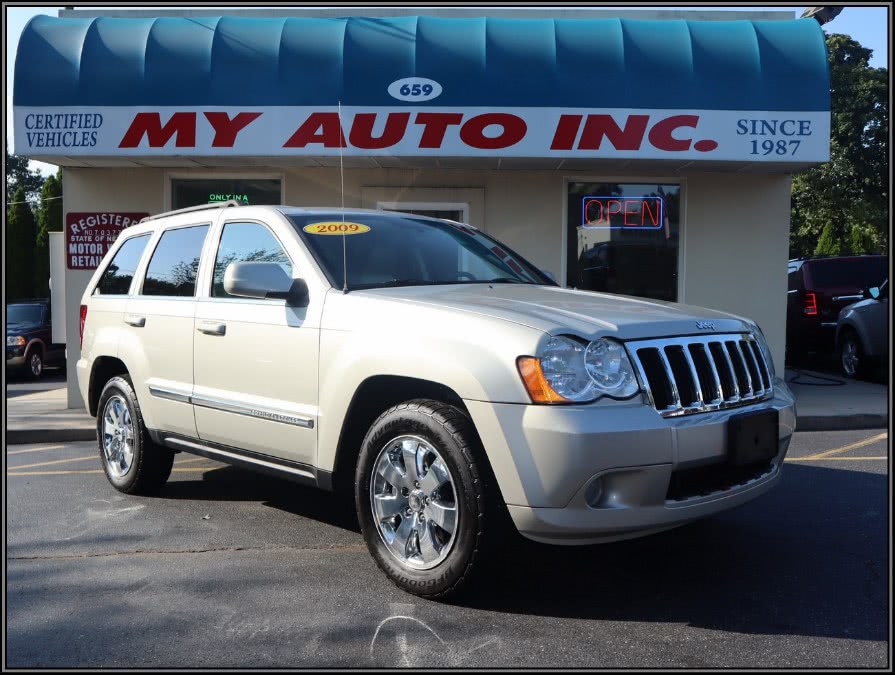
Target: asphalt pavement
[{"x": 227, "y": 568}]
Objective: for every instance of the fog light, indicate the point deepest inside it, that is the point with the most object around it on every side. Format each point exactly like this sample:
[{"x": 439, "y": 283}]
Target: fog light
[{"x": 593, "y": 492}]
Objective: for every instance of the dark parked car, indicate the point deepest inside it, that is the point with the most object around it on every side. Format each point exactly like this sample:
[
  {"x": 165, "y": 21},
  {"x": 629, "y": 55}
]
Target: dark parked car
[
  {"x": 29, "y": 342},
  {"x": 818, "y": 289},
  {"x": 862, "y": 336}
]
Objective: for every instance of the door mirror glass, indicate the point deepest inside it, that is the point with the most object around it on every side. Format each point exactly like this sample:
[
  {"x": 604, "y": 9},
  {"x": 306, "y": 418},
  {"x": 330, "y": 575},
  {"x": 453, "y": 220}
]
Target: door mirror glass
[
  {"x": 873, "y": 292},
  {"x": 264, "y": 280}
]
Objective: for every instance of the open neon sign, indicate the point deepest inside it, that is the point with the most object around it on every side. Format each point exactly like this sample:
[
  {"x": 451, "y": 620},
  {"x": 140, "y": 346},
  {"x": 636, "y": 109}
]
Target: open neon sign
[{"x": 622, "y": 213}]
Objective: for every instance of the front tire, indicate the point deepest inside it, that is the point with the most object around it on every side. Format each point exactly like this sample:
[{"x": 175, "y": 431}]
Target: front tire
[
  {"x": 132, "y": 462},
  {"x": 35, "y": 364},
  {"x": 422, "y": 498}
]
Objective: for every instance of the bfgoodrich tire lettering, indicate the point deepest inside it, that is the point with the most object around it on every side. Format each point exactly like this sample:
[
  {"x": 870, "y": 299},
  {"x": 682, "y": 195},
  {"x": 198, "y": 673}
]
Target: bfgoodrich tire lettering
[
  {"x": 449, "y": 432},
  {"x": 145, "y": 466}
]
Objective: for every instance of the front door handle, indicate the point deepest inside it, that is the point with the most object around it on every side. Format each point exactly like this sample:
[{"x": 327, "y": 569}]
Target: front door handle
[
  {"x": 134, "y": 320},
  {"x": 212, "y": 328}
]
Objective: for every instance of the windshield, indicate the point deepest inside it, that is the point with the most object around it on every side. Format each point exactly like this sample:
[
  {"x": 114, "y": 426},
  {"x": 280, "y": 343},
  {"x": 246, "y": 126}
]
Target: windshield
[
  {"x": 23, "y": 313},
  {"x": 393, "y": 249}
]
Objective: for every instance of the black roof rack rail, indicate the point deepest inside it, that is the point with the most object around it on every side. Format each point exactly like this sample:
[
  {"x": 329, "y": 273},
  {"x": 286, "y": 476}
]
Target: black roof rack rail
[{"x": 199, "y": 207}]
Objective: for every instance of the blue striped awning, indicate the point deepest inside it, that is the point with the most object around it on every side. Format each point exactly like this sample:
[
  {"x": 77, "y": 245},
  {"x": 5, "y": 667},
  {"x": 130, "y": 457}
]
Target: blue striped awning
[{"x": 589, "y": 63}]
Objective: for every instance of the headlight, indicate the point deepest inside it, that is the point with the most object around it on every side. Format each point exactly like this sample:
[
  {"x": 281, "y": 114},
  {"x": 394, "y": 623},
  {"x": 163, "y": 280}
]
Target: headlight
[
  {"x": 568, "y": 371},
  {"x": 765, "y": 350},
  {"x": 15, "y": 341}
]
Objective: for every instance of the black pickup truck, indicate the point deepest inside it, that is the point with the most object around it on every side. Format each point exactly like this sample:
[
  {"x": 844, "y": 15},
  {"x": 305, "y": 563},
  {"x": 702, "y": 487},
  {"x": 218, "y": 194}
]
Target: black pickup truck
[{"x": 29, "y": 342}]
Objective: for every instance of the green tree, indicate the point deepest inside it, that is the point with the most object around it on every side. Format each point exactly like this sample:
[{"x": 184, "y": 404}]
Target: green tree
[
  {"x": 19, "y": 175},
  {"x": 49, "y": 219},
  {"x": 21, "y": 232},
  {"x": 843, "y": 205}
]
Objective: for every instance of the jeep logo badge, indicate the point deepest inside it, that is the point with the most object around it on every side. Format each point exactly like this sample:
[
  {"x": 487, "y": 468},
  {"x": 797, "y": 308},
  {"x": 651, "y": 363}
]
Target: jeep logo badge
[{"x": 705, "y": 325}]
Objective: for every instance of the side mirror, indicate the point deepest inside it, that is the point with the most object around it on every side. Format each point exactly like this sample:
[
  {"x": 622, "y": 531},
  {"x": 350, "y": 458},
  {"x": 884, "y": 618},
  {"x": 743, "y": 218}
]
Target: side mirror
[
  {"x": 873, "y": 292},
  {"x": 265, "y": 280}
]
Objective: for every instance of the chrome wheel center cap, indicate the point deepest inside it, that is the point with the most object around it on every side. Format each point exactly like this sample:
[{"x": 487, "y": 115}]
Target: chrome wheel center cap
[{"x": 417, "y": 501}]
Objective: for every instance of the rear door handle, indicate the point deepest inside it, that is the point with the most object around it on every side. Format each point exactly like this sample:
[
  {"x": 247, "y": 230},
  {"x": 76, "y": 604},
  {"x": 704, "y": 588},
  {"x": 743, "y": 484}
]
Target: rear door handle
[
  {"x": 211, "y": 328},
  {"x": 134, "y": 320}
]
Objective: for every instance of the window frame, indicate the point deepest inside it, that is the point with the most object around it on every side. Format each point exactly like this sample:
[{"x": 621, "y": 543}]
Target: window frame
[
  {"x": 400, "y": 206},
  {"x": 207, "y": 282},
  {"x": 120, "y": 243},
  {"x": 681, "y": 181},
  {"x": 138, "y": 291}
]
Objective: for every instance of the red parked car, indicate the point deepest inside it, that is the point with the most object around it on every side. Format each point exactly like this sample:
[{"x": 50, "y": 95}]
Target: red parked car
[{"x": 820, "y": 287}]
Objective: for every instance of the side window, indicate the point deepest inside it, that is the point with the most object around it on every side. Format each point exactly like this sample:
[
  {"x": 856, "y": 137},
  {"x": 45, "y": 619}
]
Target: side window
[
  {"x": 175, "y": 262},
  {"x": 246, "y": 242},
  {"x": 116, "y": 280},
  {"x": 794, "y": 278}
]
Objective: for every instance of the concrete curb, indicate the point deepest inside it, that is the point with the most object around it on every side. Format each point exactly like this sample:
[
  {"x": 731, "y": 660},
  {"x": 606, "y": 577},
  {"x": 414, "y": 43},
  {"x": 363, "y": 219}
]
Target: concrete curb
[
  {"x": 803, "y": 423},
  {"x": 841, "y": 422}
]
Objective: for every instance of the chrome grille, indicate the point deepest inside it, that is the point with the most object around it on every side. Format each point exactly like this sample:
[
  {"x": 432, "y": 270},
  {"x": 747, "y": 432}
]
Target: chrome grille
[{"x": 686, "y": 375}]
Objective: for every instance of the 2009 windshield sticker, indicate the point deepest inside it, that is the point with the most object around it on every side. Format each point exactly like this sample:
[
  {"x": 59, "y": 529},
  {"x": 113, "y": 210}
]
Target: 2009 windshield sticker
[{"x": 336, "y": 227}]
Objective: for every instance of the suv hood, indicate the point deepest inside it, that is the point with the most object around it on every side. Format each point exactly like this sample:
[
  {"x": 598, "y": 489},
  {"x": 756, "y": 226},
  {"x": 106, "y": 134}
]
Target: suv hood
[
  {"x": 19, "y": 328},
  {"x": 557, "y": 310}
]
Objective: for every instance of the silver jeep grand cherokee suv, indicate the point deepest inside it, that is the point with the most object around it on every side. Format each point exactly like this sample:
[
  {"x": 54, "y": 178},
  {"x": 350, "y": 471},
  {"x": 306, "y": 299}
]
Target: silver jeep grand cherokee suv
[{"x": 439, "y": 377}]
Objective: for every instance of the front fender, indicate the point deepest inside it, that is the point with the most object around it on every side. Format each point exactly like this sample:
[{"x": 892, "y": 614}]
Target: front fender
[{"x": 474, "y": 356}]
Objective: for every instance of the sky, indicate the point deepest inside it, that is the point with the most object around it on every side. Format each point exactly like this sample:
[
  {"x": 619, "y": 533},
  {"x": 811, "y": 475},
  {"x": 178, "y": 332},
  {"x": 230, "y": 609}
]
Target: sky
[{"x": 868, "y": 25}]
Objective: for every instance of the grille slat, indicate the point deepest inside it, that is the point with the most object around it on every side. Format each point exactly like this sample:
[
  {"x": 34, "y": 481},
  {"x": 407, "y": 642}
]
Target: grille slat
[
  {"x": 675, "y": 396},
  {"x": 686, "y": 375}
]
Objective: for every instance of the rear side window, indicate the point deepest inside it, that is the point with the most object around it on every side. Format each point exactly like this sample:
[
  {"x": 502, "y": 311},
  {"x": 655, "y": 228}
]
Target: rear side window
[
  {"x": 175, "y": 262},
  {"x": 795, "y": 280},
  {"x": 855, "y": 273},
  {"x": 116, "y": 280},
  {"x": 246, "y": 242}
]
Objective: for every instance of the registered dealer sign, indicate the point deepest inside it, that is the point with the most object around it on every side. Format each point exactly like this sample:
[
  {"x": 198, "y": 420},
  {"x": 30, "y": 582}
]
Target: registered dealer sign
[{"x": 88, "y": 236}]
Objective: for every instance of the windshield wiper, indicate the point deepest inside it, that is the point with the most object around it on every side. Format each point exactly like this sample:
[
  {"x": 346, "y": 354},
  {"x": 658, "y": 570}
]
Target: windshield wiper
[{"x": 507, "y": 280}]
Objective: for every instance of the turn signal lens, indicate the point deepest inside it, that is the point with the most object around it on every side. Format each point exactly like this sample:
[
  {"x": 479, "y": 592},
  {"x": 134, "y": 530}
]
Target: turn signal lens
[
  {"x": 535, "y": 382},
  {"x": 810, "y": 304}
]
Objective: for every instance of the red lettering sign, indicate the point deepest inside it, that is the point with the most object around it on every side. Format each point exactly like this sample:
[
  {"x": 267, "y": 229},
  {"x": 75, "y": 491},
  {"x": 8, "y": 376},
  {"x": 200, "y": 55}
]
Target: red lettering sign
[
  {"x": 225, "y": 129},
  {"x": 182, "y": 125},
  {"x": 89, "y": 236},
  {"x": 361, "y": 134},
  {"x": 322, "y": 128}
]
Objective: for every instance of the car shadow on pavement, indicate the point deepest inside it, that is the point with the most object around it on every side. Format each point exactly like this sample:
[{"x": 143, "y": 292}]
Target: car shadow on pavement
[
  {"x": 229, "y": 483},
  {"x": 807, "y": 558}
]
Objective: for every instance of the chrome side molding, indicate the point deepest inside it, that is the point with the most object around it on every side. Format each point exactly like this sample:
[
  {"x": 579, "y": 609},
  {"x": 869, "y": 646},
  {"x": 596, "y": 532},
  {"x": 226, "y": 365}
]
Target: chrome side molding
[{"x": 258, "y": 412}]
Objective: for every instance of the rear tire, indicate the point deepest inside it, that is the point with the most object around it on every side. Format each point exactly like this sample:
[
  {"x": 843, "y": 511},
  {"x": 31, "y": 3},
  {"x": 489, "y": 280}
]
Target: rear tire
[
  {"x": 435, "y": 516},
  {"x": 852, "y": 361},
  {"x": 132, "y": 462}
]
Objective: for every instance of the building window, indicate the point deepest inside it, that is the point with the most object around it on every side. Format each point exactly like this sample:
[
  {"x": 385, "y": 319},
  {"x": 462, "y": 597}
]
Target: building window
[
  {"x": 624, "y": 238},
  {"x": 194, "y": 191},
  {"x": 457, "y": 211}
]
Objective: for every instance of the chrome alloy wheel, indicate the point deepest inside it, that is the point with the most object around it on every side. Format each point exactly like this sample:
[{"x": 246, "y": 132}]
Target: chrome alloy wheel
[
  {"x": 414, "y": 502},
  {"x": 118, "y": 436},
  {"x": 850, "y": 357}
]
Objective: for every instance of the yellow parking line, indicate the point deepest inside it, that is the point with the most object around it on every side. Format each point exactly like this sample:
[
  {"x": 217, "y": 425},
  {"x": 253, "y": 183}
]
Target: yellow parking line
[
  {"x": 850, "y": 446},
  {"x": 55, "y": 461},
  {"x": 87, "y": 471},
  {"x": 832, "y": 459},
  {"x": 43, "y": 449}
]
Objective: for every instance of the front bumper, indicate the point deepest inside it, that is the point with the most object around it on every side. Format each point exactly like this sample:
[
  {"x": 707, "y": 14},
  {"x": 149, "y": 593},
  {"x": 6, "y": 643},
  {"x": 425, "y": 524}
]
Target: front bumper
[
  {"x": 15, "y": 356},
  {"x": 614, "y": 470}
]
